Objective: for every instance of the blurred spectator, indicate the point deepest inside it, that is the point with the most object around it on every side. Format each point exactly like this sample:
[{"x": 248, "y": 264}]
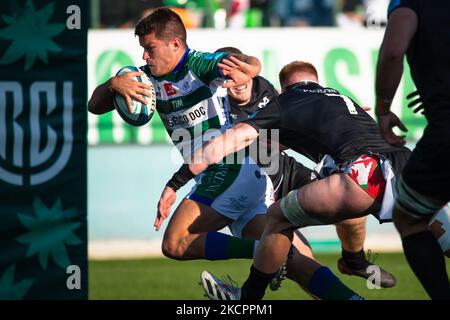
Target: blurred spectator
[
  {"x": 236, "y": 13},
  {"x": 124, "y": 14},
  {"x": 189, "y": 17},
  {"x": 117, "y": 13},
  {"x": 357, "y": 13},
  {"x": 188, "y": 10},
  {"x": 266, "y": 9},
  {"x": 352, "y": 14},
  {"x": 376, "y": 13},
  {"x": 147, "y": 6},
  {"x": 294, "y": 13},
  {"x": 248, "y": 13}
]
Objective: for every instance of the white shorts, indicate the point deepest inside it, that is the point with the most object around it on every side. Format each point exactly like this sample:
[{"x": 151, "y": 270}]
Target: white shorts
[{"x": 237, "y": 191}]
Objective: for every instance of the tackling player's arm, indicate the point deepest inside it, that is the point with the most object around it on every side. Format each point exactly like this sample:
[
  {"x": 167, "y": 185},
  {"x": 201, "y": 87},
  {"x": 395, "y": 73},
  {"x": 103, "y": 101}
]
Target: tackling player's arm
[
  {"x": 400, "y": 30},
  {"x": 102, "y": 98},
  {"x": 233, "y": 140},
  {"x": 236, "y": 138}
]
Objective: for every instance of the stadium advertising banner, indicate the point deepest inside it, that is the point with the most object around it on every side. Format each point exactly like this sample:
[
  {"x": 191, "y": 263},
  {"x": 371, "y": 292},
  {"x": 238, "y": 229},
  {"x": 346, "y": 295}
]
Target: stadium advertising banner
[
  {"x": 346, "y": 63},
  {"x": 43, "y": 89}
]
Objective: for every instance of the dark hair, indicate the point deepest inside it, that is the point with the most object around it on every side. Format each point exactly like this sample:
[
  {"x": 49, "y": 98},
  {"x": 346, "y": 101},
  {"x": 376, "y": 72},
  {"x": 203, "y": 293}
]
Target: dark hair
[
  {"x": 229, "y": 50},
  {"x": 296, "y": 66},
  {"x": 164, "y": 23}
]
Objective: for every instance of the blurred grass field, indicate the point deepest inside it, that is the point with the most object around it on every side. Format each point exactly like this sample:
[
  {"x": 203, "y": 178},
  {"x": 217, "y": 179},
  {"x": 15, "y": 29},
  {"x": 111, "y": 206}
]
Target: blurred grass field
[{"x": 166, "y": 279}]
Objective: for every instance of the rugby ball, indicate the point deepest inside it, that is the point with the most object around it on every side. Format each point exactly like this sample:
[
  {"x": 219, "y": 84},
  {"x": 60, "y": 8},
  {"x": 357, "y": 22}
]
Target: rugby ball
[
  {"x": 440, "y": 227},
  {"x": 141, "y": 113}
]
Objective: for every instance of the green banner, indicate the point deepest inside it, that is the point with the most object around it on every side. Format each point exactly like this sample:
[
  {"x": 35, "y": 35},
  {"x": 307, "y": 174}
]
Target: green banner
[{"x": 43, "y": 89}]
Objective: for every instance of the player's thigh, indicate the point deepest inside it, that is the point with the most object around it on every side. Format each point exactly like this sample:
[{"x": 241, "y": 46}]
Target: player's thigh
[
  {"x": 255, "y": 227},
  {"x": 407, "y": 224},
  {"x": 426, "y": 171},
  {"x": 334, "y": 198},
  {"x": 194, "y": 217}
]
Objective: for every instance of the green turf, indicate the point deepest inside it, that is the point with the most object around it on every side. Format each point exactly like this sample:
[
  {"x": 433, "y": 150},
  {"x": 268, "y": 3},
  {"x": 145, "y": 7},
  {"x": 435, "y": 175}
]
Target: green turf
[{"x": 168, "y": 279}]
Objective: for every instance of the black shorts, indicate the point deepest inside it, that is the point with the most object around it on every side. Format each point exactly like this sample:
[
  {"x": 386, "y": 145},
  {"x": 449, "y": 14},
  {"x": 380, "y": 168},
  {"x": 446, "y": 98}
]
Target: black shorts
[
  {"x": 398, "y": 159},
  {"x": 294, "y": 175},
  {"x": 427, "y": 170}
]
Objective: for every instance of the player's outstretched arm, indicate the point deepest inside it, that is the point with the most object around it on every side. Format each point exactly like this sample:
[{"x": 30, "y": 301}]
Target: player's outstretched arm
[
  {"x": 233, "y": 140},
  {"x": 102, "y": 98}
]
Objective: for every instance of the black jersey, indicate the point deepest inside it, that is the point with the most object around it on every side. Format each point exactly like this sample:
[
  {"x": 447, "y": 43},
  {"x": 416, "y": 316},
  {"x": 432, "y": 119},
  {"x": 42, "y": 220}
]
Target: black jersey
[
  {"x": 429, "y": 53},
  {"x": 263, "y": 92},
  {"x": 291, "y": 174},
  {"x": 317, "y": 121}
]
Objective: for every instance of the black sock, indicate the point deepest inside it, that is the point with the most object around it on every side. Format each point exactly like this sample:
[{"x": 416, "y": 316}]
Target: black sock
[
  {"x": 256, "y": 284},
  {"x": 425, "y": 257},
  {"x": 355, "y": 260}
]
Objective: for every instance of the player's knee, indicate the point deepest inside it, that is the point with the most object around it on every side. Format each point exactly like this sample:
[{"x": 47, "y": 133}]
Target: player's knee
[
  {"x": 172, "y": 249},
  {"x": 275, "y": 220}
]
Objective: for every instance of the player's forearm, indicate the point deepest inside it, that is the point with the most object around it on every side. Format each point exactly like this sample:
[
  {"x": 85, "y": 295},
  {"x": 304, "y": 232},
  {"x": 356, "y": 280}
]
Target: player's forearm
[
  {"x": 102, "y": 99},
  {"x": 389, "y": 73},
  {"x": 180, "y": 178},
  {"x": 233, "y": 140},
  {"x": 212, "y": 152},
  {"x": 401, "y": 28}
]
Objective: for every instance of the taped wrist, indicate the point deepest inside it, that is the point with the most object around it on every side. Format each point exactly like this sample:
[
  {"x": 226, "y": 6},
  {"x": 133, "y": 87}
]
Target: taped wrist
[{"x": 180, "y": 178}]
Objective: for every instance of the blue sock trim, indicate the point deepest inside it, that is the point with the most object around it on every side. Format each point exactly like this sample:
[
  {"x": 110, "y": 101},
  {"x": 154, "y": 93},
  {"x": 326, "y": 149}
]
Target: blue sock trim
[
  {"x": 216, "y": 246},
  {"x": 321, "y": 281}
]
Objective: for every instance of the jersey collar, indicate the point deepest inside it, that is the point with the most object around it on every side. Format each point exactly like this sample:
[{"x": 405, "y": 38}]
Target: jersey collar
[
  {"x": 182, "y": 61},
  {"x": 303, "y": 83}
]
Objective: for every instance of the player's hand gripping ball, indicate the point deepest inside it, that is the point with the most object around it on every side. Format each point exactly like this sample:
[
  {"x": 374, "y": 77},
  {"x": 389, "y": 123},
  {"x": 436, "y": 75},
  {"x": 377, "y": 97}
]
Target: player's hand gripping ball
[{"x": 141, "y": 113}]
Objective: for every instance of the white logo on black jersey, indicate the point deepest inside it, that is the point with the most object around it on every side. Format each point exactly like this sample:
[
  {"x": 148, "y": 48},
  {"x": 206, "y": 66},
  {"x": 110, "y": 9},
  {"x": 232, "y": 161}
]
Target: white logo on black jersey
[{"x": 264, "y": 102}]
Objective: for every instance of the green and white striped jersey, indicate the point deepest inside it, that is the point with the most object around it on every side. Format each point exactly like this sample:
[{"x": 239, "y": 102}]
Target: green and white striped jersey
[{"x": 191, "y": 102}]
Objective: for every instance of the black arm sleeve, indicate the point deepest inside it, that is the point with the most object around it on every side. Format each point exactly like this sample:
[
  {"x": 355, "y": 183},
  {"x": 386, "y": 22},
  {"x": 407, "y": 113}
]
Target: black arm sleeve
[
  {"x": 180, "y": 178},
  {"x": 266, "y": 118}
]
